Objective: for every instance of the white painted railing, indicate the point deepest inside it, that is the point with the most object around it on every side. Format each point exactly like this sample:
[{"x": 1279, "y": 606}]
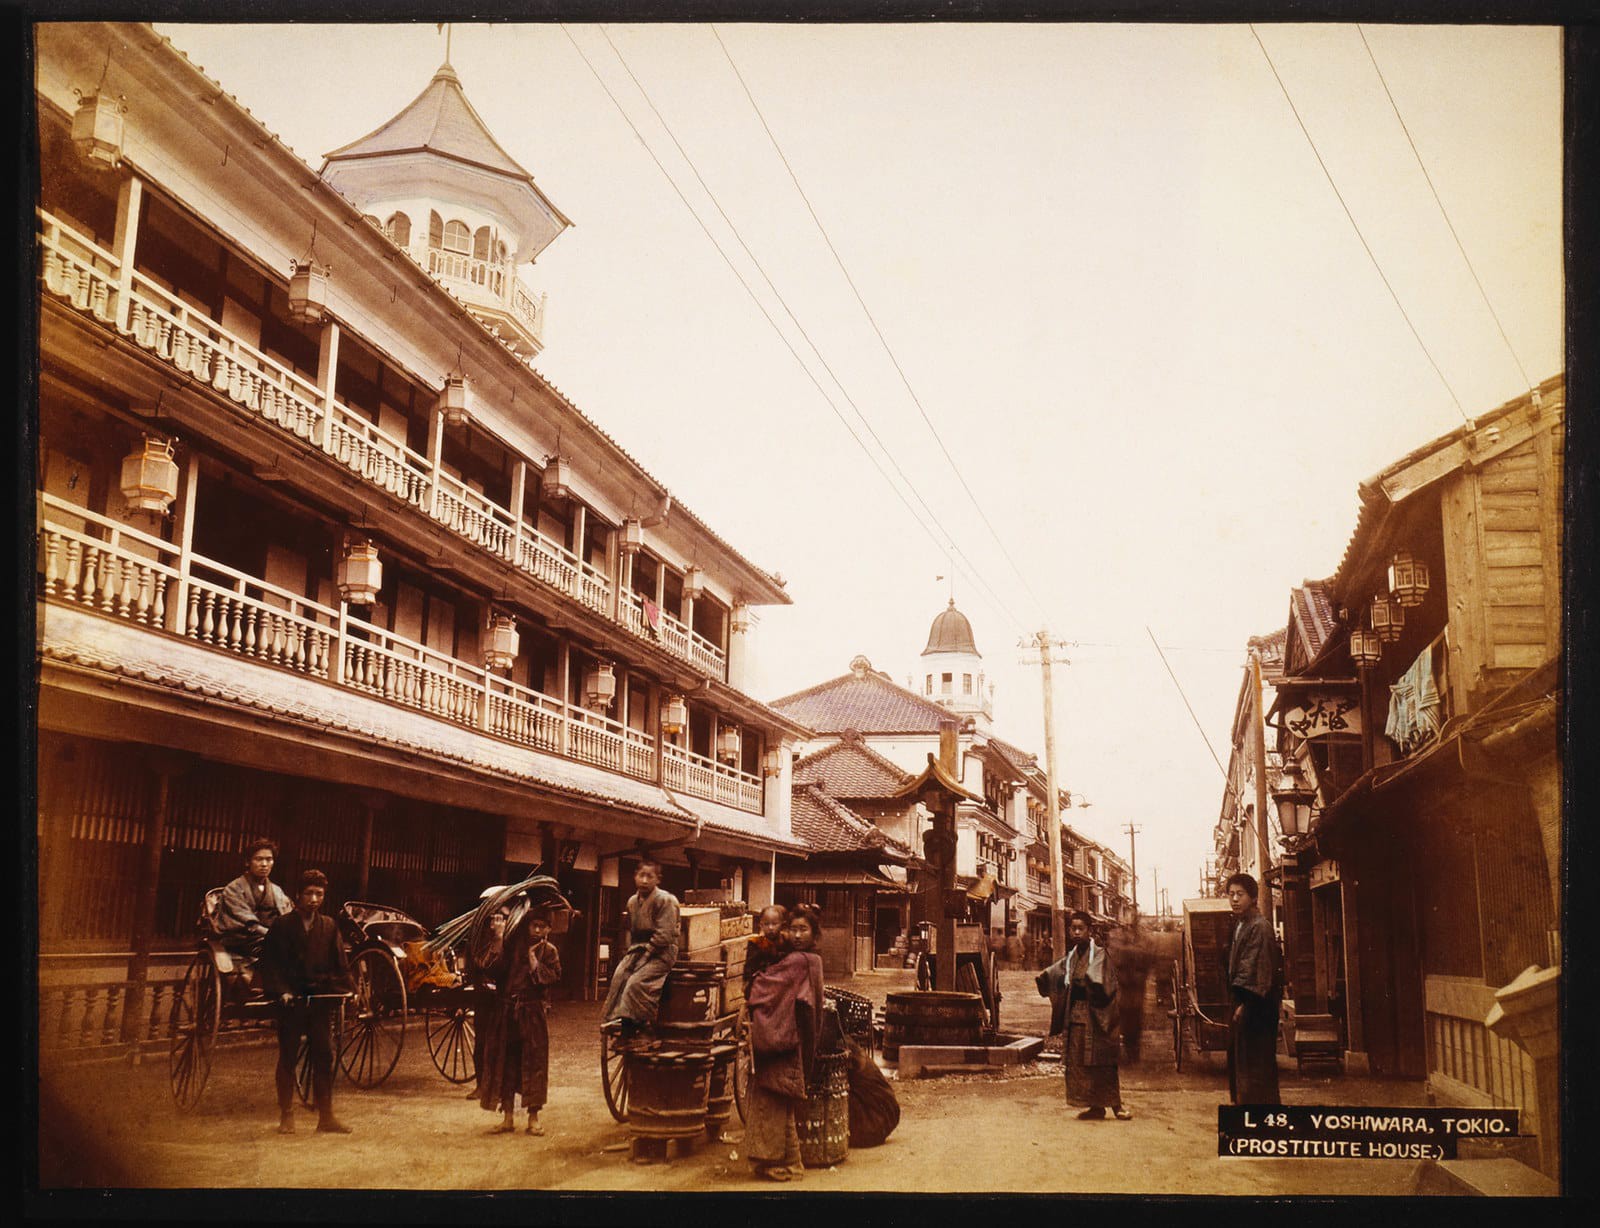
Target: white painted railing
[
  {"x": 79, "y": 272},
  {"x": 468, "y": 272},
  {"x": 120, "y": 571},
  {"x": 688, "y": 772}
]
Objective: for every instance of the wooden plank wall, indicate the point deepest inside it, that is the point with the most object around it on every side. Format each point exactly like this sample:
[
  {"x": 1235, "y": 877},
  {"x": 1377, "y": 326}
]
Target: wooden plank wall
[{"x": 1518, "y": 595}]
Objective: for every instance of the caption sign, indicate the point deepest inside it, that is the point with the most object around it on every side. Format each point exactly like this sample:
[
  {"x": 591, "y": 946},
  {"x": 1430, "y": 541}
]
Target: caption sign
[{"x": 1332, "y": 1133}]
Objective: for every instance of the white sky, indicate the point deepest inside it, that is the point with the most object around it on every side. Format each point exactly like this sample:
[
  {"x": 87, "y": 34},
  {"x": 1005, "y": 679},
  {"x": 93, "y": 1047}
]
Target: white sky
[{"x": 1112, "y": 270}]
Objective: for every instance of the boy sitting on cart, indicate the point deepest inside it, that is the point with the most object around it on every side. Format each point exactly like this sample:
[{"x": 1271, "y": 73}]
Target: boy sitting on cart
[{"x": 635, "y": 995}]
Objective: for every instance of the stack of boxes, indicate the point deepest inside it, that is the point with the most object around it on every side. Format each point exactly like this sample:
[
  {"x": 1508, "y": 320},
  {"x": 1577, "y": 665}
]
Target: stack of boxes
[{"x": 713, "y": 935}]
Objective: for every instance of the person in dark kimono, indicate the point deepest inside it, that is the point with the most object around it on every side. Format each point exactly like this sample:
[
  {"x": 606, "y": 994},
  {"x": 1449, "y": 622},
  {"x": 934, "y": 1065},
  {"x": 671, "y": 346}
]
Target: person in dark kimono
[
  {"x": 635, "y": 994},
  {"x": 1130, "y": 960},
  {"x": 516, "y": 1038},
  {"x": 303, "y": 966},
  {"x": 785, "y": 1006},
  {"x": 251, "y": 902},
  {"x": 1082, "y": 988},
  {"x": 1255, "y": 981}
]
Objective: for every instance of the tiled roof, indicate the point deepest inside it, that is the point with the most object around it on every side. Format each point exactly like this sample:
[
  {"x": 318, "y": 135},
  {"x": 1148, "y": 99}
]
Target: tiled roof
[
  {"x": 828, "y": 826},
  {"x": 1312, "y": 621},
  {"x": 851, "y": 769},
  {"x": 1018, "y": 760},
  {"x": 865, "y": 701},
  {"x": 441, "y": 121}
]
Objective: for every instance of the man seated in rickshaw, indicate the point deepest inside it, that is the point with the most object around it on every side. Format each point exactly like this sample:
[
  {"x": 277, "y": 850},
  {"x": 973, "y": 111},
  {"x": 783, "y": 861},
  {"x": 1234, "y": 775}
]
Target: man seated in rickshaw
[{"x": 252, "y": 902}]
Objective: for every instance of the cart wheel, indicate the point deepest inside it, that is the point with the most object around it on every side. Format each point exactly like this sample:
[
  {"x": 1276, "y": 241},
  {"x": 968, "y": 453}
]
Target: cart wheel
[
  {"x": 450, "y": 1039},
  {"x": 374, "y": 1029},
  {"x": 196, "y": 1016},
  {"x": 742, "y": 1066},
  {"x": 1178, "y": 997},
  {"x": 613, "y": 1074}
]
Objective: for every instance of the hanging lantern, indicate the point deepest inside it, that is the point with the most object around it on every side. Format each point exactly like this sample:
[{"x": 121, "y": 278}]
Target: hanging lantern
[
  {"x": 600, "y": 685},
  {"x": 97, "y": 130},
  {"x": 500, "y": 641},
  {"x": 728, "y": 743},
  {"x": 1293, "y": 798},
  {"x": 674, "y": 715},
  {"x": 772, "y": 762},
  {"x": 453, "y": 400},
  {"x": 1408, "y": 578},
  {"x": 694, "y": 584},
  {"x": 1365, "y": 647},
  {"x": 360, "y": 572},
  {"x": 308, "y": 290},
  {"x": 1388, "y": 618},
  {"x": 632, "y": 537},
  {"x": 558, "y": 478},
  {"x": 150, "y": 477}
]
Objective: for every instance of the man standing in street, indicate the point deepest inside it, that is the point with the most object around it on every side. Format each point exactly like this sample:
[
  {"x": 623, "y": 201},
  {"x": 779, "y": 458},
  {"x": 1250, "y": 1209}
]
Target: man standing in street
[
  {"x": 1255, "y": 982},
  {"x": 251, "y": 902},
  {"x": 1082, "y": 988},
  {"x": 635, "y": 994},
  {"x": 303, "y": 968}
]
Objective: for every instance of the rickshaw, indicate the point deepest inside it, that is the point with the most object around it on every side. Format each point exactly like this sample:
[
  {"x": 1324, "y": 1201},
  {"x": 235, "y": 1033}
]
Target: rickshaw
[
  {"x": 222, "y": 987},
  {"x": 1201, "y": 1000}
]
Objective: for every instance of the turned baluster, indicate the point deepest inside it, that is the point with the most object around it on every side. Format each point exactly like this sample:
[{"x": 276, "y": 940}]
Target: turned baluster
[
  {"x": 158, "y": 599},
  {"x": 52, "y": 561},
  {"x": 143, "y": 579},
  {"x": 208, "y": 626},
  {"x": 222, "y": 373}
]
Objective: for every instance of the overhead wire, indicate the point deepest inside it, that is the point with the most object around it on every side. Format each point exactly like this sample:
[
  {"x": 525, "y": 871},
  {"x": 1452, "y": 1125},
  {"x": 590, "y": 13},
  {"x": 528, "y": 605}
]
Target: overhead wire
[
  {"x": 1357, "y": 228},
  {"x": 872, "y": 320},
  {"x": 621, "y": 110},
  {"x": 1443, "y": 212},
  {"x": 777, "y": 294}
]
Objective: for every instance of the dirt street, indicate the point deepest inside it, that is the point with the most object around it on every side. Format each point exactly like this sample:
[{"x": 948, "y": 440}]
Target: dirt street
[{"x": 116, "y": 1125}]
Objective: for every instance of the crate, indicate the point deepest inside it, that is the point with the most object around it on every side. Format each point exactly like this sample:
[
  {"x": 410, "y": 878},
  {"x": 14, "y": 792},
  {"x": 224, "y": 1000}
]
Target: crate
[
  {"x": 699, "y": 928},
  {"x": 736, "y": 926},
  {"x": 708, "y": 895}
]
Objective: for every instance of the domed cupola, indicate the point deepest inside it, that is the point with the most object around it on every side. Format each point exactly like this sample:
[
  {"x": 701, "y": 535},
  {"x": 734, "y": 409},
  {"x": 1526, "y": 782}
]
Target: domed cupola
[
  {"x": 438, "y": 184},
  {"x": 952, "y": 667}
]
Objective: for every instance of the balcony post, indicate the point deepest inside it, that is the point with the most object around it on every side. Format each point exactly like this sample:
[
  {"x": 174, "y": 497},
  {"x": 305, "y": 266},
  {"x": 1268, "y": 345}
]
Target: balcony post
[
  {"x": 564, "y": 681},
  {"x": 183, "y": 538},
  {"x": 738, "y": 645},
  {"x": 614, "y": 572},
  {"x": 327, "y": 376},
  {"x": 519, "y": 496},
  {"x": 339, "y": 642},
  {"x": 123, "y": 242},
  {"x": 580, "y": 526},
  {"x": 654, "y": 724},
  {"x": 435, "y": 454}
]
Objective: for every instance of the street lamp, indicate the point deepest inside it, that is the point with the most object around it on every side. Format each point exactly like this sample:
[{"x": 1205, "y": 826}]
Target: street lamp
[
  {"x": 1365, "y": 647},
  {"x": 1408, "y": 578},
  {"x": 1293, "y": 799},
  {"x": 1388, "y": 618}
]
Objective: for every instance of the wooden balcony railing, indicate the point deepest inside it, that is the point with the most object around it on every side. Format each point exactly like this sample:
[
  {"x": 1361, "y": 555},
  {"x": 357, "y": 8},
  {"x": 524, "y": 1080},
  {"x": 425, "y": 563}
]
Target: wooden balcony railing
[
  {"x": 75, "y": 270},
  {"x": 95, "y": 562}
]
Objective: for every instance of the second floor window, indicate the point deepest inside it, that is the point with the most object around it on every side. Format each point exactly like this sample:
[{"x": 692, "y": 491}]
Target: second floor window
[
  {"x": 457, "y": 238},
  {"x": 944, "y": 683},
  {"x": 966, "y": 684},
  {"x": 398, "y": 228}
]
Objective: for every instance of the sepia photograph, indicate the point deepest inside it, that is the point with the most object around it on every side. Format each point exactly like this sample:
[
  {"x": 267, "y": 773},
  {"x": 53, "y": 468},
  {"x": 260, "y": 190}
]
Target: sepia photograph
[{"x": 680, "y": 608}]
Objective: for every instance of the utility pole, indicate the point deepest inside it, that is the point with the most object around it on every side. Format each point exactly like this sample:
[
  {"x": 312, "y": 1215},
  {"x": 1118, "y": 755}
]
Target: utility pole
[
  {"x": 1058, "y": 918},
  {"x": 1156, "y": 887},
  {"x": 1263, "y": 852},
  {"x": 1133, "y": 866}
]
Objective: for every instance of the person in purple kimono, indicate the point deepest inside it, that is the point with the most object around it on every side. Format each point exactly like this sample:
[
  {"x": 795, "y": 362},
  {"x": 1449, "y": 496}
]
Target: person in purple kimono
[{"x": 785, "y": 1005}]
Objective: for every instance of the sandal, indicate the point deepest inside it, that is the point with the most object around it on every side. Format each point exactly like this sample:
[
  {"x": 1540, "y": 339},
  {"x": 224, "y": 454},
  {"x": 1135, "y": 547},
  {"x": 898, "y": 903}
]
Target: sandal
[
  {"x": 1122, "y": 1114},
  {"x": 534, "y": 1128},
  {"x": 774, "y": 1173},
  {"x": 503, "y": 1128}
]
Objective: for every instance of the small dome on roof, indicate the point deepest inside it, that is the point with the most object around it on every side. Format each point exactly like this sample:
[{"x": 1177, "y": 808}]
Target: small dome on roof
[{"x": 951, "y": 632}]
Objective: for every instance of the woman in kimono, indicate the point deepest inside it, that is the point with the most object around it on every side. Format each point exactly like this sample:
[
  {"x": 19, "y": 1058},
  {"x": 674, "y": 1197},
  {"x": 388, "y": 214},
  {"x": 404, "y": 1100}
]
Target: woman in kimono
[
  {"x": 1082, "y": 988},
  {"x": 785, "y": 1005}
]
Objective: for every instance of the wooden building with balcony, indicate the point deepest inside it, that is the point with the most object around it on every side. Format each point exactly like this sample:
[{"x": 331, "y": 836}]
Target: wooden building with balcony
[
  {"x": 322, "y": 557},
  {"x": 1419, "y": 714}
]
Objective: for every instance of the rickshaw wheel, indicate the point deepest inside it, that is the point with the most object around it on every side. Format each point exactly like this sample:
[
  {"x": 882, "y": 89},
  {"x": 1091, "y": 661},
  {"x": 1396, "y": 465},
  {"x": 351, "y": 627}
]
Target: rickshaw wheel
[
  {"x": 1178, "y": 997},
  {"x": 451, "y": 1034},
  {"x": 302, "y": 1071},
  {"x": 196, "y": 1016},
  {"x": 613, "y": 1075},
  {"x": 375, "y": 1019},
  {"x": 742, "y": 1068}
]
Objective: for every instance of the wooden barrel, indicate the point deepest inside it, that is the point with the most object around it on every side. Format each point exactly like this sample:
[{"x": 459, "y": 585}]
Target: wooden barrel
[
  {"x": 824, "y": 1123},
  {"x": 719, "y": 1099},
  {"x": 692, "y": 994},
  {"x": 667, "y": 1093},
  {"x": 931, "y": 1017}
]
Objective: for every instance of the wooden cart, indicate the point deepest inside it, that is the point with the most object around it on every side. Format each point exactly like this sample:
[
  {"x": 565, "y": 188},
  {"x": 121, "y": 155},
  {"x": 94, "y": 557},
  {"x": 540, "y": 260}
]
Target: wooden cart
[{"x": 1201, "y": 1001}]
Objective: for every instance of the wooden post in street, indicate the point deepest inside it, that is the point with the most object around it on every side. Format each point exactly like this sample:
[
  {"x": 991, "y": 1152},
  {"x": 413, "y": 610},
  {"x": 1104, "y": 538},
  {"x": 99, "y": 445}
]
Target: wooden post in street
[{"x": 944, "y": 822}]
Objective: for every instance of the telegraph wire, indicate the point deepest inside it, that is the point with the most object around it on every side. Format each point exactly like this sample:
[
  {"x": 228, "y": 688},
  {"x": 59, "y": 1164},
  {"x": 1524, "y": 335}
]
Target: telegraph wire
[
  {"x": 1332, "y": 184},
  {"x": 882, "y": 340},
  {"x": 773, "y": 323},
  {"x": 1460, "y": 247},
  {"x": 1226, "y": 782}
]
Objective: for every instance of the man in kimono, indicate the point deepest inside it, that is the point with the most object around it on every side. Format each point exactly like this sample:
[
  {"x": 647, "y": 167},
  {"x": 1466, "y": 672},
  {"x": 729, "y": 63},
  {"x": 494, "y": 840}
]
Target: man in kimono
[
  {"x": 1082, "y": 988},
  {"x": 1255, "y": 981},
  {"x": 251, "y": 902},
  {"x": 303, "y": 967},
  {"x": 635, "y": 994}
]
